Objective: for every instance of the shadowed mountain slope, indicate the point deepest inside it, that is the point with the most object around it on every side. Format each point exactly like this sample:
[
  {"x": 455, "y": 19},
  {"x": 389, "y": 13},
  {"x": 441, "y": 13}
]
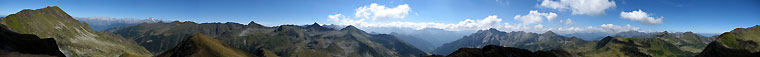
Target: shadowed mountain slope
[
  {"x": 13, "y": 44},
  {"x": 740, "y": 42}
]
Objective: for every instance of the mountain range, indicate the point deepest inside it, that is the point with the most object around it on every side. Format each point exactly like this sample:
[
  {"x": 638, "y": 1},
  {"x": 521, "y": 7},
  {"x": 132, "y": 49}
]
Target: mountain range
[
  {"x": 624, "y": 44},
  {"x": 51, "y": 32},
  {"x": 103, "y": 23},
  {"x": 524, "y": 40},
  {"x": 284, "y": 40}
]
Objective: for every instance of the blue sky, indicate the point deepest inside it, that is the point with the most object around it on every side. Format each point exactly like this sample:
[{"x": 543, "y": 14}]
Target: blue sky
[{"x": 702, "y": 16}]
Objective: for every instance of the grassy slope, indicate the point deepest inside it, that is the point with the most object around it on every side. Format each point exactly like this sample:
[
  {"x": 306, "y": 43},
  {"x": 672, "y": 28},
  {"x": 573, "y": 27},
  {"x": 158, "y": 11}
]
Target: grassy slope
[
  {"x": 74, "y": 38},
  {"x": 209, "y": 47},
  {"x": 730, "y": 39}
]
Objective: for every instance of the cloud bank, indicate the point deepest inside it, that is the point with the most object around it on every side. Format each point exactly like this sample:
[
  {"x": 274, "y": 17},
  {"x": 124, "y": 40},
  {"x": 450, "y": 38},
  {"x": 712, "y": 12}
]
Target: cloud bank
[
  {"x": 535, "y": 17},
  {"x": 641, "y": 16},
  {"x": 375, "y": 11},
  {"x": 530, "y": 22},
  {"x": 582, "y": 7}
]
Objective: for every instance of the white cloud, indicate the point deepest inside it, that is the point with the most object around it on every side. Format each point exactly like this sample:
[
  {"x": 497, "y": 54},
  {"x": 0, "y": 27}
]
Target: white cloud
[
  {"x": 588, "y": 7},
  {"x": 568, "y": 21},
  {"x": 343, "y": 20},
  {"x": 335, "y": 17},
  {"x": 535, "y": 17},
  {"x": 539, "y": 26},
  {"x": 375, "y": 11},
  {"x": 468, "y": 24},
  {"x": 614, "y": 28},
  {"x": 641, "y": 16},
  {"x": 530, "y": 22},
  {"x": 604, "y": 28},
  {"x": 489, "y": 22}
]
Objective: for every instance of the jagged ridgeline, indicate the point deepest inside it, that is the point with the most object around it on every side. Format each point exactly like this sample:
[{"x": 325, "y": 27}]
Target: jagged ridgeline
[
  {"x": 519, "y": 39},
  {"x": 499, "y": 51},
  {"x": 285, "y": 40},
  {"x": 740, "y": 42},
  {"x": 74, "y": 38},
  {"x": 659, "y": 44}
]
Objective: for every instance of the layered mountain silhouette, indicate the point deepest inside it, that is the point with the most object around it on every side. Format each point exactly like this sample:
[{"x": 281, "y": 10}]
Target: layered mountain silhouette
[
  {"x": 417, "y": 42},
  {"x": 658, "y": 44},
  {"x": 50, "y": 32},
  {"x": 13, "y": 44},
  {"x": 103, "y": 23},
  {"x": 519, "y": 39},
  {"x": 499, "y": 51},
  {"x": 200, "y": 45},
  {"x": 284, "y": 40},
  {"x": 74, "y": 38},
  {"x": 740, "y": 42}
]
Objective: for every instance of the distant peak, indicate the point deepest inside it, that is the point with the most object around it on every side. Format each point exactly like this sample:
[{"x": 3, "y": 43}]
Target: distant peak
[
  {"x": 632, "y": 31},
  {"x": 350, "y": 27},
  {"x": 549, "y": 33},
  {"x": 316, "y": 26},
  {"x": 254, "y": 24},
  {"x": 492, "y": 29},
  {"x": 393, "y": 33},
  {"x": 315, "y": 23}
]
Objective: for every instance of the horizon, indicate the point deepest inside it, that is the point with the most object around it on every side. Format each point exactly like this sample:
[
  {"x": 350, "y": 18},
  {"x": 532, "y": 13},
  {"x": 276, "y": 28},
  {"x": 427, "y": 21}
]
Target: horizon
[{"x": 705, "y": 16}]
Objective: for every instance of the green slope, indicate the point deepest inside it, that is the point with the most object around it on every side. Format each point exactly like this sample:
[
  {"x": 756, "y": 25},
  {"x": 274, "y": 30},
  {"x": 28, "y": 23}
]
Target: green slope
[
  {"x": 74, "y": 38},
  {"x": 740, "y": 42},
  {"x": 200, "y": 45}
]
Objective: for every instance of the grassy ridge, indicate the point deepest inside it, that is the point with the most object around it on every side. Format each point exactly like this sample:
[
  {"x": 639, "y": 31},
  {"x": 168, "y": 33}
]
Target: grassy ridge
[
  {"x": 74, "y": 38},
  {"x": 203, "y": 46}
]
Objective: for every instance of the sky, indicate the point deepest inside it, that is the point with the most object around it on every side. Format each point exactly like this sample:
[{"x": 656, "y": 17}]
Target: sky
[{"x": 563, "y": 16}]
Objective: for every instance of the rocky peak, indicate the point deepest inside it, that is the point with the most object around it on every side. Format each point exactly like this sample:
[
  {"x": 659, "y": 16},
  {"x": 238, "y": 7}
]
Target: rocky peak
[
  {"x": 254, "y": 24},
  {"x": 491, "y": 30},
  {"x": 316, "y": 26},
  {"x": 350, "y": 27},
  {"x": 549, "y": 33},
  {"x": 353, "y": 30}
]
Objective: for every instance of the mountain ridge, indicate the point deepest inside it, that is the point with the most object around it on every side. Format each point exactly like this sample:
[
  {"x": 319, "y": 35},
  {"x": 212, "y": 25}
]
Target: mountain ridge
[
  {"x": 200, "y": 45},
  {"x": 73, "y": 38},
  {"x": 283, "y": 40},
  {"x": 740, "y": 42}
]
